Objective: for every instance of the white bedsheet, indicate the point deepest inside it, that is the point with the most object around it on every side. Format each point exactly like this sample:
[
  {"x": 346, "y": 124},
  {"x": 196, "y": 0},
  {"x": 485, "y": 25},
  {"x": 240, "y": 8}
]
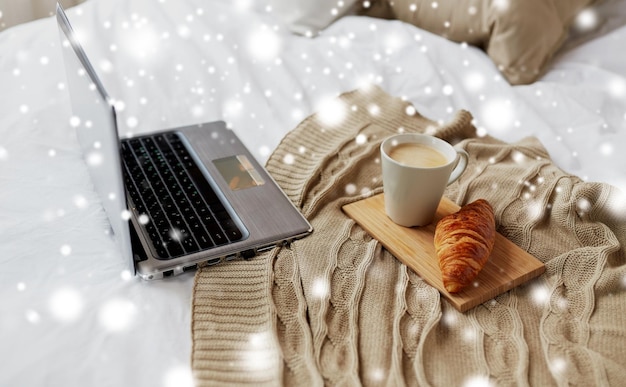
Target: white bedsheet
[{"x": 70, "y": 314}]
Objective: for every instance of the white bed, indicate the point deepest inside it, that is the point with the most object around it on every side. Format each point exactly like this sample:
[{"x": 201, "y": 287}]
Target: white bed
[{"x": 70, "y": 313}]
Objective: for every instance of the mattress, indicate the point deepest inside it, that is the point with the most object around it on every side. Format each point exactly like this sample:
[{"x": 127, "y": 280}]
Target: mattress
[{"x": 71, "y": 314}]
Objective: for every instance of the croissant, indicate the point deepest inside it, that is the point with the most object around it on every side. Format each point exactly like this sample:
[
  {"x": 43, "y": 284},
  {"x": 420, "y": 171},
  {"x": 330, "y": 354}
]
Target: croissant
[{"x": 463, "y": 242}]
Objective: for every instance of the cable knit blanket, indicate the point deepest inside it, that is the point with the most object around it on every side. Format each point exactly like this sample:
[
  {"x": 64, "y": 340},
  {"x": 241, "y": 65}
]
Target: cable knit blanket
[{"x": 336, "y": 308}]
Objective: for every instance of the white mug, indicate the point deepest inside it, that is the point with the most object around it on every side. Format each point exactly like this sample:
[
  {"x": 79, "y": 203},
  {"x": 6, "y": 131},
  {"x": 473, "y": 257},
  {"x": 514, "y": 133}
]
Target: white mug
[{"x": 417, "y": 168}]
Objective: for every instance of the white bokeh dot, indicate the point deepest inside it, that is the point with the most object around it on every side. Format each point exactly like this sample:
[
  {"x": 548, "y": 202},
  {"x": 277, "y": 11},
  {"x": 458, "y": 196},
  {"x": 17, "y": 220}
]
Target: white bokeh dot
[
  {"x": 264, "y": 44},
  {"x": 117, "y": 315},
  {"x": 332, "y": 112},
  {"x": 498, "y": 115},
  {"x": 132, "y": 122},
  {"x": 474, "y": 81},
  {"x": 32, "y": 316},
  {"x": 478, "y": 381},
  {"x": 143, "y": 219},
  {"x": 80, "y": 201},
  {"x": 320, "y": 288},
  {"x": 66, "y": 250},
  {"x": 265, "y": 151},
  {"x": 66, "y": 304},
  {"x": 94, "y": 158},
  {"x": 606, "y": 149},
  {"x": 558, "y": 365},
  {"x": 586, "y": 20},
  {"x": 540, "y": 294},
  {"x": 178, "y": 376},
  {"x": 289, "y": 159}
]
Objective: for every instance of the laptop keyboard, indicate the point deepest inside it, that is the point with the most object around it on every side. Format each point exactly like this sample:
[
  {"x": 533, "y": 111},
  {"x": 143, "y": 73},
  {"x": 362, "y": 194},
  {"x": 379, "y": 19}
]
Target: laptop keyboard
[{"x": 183, "y": 214}]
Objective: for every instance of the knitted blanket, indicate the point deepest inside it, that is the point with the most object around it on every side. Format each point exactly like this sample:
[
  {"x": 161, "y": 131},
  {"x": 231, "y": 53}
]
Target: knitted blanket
[{"x": 335, "y": 308}]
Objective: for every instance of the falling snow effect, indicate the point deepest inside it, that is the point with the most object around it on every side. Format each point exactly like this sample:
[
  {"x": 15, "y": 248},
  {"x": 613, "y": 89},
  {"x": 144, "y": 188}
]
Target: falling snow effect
[
  {"x": 351, "y": 189},
  {"x": 478, "y": 381},
  {"x": 66, "y": 250},
  {"x": 331, "y": 112},
  {"x": 320, "y": 288},
  {"x": 117, "y": 315},
  {"x": 178, "y": 376},
  {"x": 540, "y": 294},
  {"x": 260, "y": 353},
  {"x": 242, "y": 78},
  {"x": 66, "y": 304}
]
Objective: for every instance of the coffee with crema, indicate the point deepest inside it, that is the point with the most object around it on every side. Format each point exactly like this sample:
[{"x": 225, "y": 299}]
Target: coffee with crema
[
  {"x": 417, "y": 168},
  {"x": 417, "y": 155}
]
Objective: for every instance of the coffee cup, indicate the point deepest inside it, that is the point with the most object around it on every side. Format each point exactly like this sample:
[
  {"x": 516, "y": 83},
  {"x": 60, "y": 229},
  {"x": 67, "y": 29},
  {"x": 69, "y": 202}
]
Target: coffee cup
[{"x": 417, "y": 168}]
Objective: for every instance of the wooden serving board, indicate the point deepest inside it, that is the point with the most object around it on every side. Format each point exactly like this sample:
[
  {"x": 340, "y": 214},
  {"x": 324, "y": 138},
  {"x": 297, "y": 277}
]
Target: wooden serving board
[{"x": 508, "y": 266}]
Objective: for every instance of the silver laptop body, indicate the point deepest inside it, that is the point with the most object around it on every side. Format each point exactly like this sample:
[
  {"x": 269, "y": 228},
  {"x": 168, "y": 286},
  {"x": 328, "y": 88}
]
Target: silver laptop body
[{"x": 178, "y": 198}]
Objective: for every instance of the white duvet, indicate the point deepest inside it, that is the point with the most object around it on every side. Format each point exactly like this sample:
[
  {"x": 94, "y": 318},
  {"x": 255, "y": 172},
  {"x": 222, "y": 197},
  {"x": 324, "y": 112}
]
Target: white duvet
[{"x": 70, "y": 313}]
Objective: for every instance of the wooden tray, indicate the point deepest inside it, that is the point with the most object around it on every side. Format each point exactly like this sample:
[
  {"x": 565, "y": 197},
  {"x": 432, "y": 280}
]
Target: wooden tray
[{"x": 508, "y": 266}]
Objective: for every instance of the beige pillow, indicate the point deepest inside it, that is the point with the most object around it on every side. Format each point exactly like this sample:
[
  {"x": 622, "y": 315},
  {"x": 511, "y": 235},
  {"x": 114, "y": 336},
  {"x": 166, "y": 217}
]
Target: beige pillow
[{"x": 520, "y": 36}]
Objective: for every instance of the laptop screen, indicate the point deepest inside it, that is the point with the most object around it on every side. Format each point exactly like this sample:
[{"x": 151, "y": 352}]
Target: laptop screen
[{"x": 96, "y": 131}]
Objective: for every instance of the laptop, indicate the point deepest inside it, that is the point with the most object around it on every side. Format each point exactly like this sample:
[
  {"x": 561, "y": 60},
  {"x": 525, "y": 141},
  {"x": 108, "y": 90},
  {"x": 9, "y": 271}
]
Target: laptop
[{"x": 175, "y": 199}]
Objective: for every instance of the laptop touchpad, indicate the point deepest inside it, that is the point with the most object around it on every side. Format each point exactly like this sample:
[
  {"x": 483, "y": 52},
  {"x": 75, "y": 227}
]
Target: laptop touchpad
[{"x": 238, "y": 172}]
